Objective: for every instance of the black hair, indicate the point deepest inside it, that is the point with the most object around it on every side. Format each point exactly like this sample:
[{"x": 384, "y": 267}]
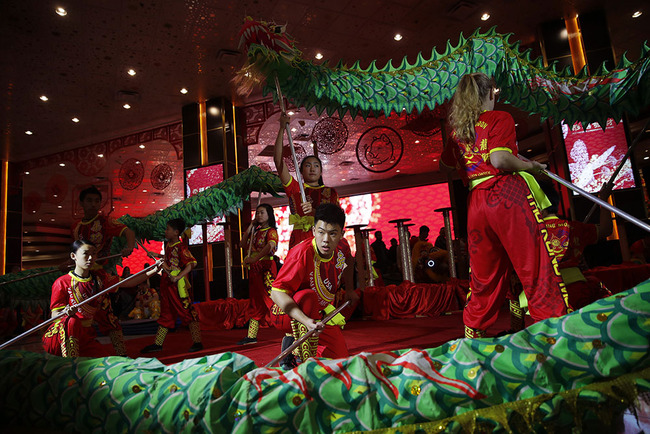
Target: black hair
[
  {"x": 304, "y": 160},
  {"x": 552, "y": 195},
  {"x": 90, "y": 190},
  {"x": 177, "y": 224},
  {"x": 330, "y": 213},
  {"x": 269, "y": 212},
  {"x": 424, "y": 229},
  {"x": 77, "y": 244}
]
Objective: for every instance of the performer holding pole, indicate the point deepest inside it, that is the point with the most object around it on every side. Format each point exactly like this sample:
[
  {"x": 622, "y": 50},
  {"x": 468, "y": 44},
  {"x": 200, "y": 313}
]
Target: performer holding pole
[
  {"x": 77, "y": 295},
  {"x": 504, "y": 223},
  {"x": 303, "y": 198},
  {"x": 263, "y": 242}
]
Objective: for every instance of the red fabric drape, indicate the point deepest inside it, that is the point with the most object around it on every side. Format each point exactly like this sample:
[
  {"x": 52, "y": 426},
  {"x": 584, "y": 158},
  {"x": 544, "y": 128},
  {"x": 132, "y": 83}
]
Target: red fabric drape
[
  {"x": 224, "y": 314},
  {"x": 408, "y": 299},
  {"x": 620, "y": 277}
]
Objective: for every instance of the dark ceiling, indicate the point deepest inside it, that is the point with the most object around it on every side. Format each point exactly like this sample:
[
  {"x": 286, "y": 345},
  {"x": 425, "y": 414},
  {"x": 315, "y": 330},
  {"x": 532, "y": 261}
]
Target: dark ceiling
[{"x": 80, "y": 61}]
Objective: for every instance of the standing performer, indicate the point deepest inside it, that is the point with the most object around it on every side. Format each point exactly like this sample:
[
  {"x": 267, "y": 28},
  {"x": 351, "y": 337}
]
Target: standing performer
[
  {"x": 307, "y": 284},
  {"x": 73, "y": 335},
  {"x": 262, "y": 267},
  {"x": 175, "y": 300},
  {"x": 311, "y": 168},
  {"x": 100, "y": 230},
  {"x": 505, "y": 227}
]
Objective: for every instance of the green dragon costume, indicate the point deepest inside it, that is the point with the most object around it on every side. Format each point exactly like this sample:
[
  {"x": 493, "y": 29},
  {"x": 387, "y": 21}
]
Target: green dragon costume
[
  {"x": 218, "y": 200},
  {"x": 581, "y": 370},
  {"x": 525, "y": 83}
]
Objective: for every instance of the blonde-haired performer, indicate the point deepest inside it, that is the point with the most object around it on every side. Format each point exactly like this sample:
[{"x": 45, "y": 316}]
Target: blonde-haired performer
[{"x": 504, "y": 225}]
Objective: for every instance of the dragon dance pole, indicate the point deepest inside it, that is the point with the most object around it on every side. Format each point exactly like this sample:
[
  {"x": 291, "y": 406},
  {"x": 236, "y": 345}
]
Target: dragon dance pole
[
  {"x": 610, "y": 184},
  {"x": 365, "y": 236},
  {"x": 303, "y": 196},
  {"x": 43, "y": 273},
  {"x": 450, "y": 245},
  {"x": 597, "y": 200},
  {"x": 51, "y": 320},
  {"x": 304, "y": 337}
]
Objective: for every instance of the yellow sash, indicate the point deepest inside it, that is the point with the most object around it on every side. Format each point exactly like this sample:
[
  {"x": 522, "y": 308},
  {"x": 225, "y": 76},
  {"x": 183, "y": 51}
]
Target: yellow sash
[
  {"x": 183, "y": 284},
  {"x": 304, "y": 222},
  {"x": 338, "y": 320}
]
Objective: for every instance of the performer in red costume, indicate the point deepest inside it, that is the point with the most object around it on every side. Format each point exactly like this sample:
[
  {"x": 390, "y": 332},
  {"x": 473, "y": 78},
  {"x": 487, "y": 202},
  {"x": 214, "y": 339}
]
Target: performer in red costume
[
  {"x": 262, "y": 267},
  {"x": 505, "y": 227},
  {"x": 73, "y": 335},
  {"x": 100, "y": 230},
  {"x": 175, "y": 299},
  {"x": 568, "y": 240},
  {"x": 311, "y": 168},
  {"x": 307, "y": 284}
]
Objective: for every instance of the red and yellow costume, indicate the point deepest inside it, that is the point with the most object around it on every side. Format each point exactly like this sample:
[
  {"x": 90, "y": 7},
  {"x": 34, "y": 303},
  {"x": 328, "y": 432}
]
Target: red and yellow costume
[
  {"x": 302, "y": 223},
  {"x": 312, "y": 281},
  {"x": 262, "y": 273},
  {"x": 100, "y": 231},
  {"x": 72, "y": 336},
  {"x": 568, "y": 240},
  {"x": 505, "y": 228},
  {"x": 175, "y": 299}
]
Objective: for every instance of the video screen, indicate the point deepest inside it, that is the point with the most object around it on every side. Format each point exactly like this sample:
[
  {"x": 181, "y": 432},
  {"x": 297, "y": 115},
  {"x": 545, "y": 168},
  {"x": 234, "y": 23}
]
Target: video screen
[
  {"x": 197, "y": 180},
  {"x": 593, "y": 155}
]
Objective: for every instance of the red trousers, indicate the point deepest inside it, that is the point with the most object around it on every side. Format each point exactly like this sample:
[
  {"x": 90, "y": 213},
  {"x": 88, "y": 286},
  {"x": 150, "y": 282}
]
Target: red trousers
[
  {"x": 73, "y": 327},
  {"x": 582, "y": 294},
  {"x": 262, "y": 274},
  {"x": 331, "y": 342},
  {"x": 173, "y": 306},
  {"x": 506, "y": 231}
]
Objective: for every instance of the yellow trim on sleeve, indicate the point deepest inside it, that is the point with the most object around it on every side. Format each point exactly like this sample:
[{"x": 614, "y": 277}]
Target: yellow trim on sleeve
[
  {"x": 279, "y": 290},
  {"x": 501, "y": 148},
  {"x": 288, "y": 183}
]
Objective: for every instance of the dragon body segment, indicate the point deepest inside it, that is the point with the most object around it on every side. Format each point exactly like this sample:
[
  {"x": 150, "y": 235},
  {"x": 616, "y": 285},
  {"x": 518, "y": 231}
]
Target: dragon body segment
[{"x": 428, "y": 82}]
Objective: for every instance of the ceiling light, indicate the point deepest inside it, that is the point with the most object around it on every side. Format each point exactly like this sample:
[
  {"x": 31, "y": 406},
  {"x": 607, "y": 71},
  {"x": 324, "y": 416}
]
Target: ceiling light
[
  {"x": 290, "y": 113},
  {"x": 564, "y": 34},
  {"x": 142, "y": 146},
  {"x": 44, "y": 98},
  {"x": 62, "y": 164},
  {"x": 397, "y": 171},
  {"x": 75, "y": 120},
  {"x": 60, "y": 11},
  {"x": 342, "y": 179},
  {"x": 417, "y": 141},
  {"x": 485, "y": 17},
  {"x": 59, "y": 207},
  {"x": 127, "y": 106},
  {"x": 184, "y": 91},
  {"x": 319, "y": 56},
  {"x": 126, "y": 207},
  {"x": 637, "y": 14},
  {"x": 100, "y": 155},
  {"x": 214, "y": 111},
  {"x": 397, "y": 37},
  {"x": 131, "y": 72},
  {"x": 293, "y": 130},
  {"x": 29, "y": 133},
  {"x": 27, "y": 173},
  {"x": 645, "y": 158},
  {"x": 144, "y": 191},
  {"x": 52, "y": 219}
]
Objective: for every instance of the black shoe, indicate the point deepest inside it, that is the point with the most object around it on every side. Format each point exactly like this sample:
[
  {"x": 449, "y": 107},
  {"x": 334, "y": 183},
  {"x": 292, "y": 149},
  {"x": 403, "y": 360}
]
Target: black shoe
[
  {"x": 288, "y": 360},
  {"x": 247, "y": 341},
  {"x": 196, "y": 346},
  {"x": 153, "y": 348}
]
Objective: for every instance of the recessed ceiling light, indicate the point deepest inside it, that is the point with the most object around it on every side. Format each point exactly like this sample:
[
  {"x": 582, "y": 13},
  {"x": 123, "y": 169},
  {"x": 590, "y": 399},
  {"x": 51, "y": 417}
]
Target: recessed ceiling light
[
  {"x": 290, "y": 113},
  {"x": 319, "y": 56},
  {"x": 27, "y": 173},
  {"x": 131, "y": 72},
  {"x": 397, "y": 37},
  {"x": 637, "y": 14},
  {"x": 214, "y": 111},
  {"x": 126, "y": 207},
  {"x": 417, "y": 141},
  {"x": 645, "y": 158},
  {"x": 293, "y": 130},
  {"x": 564, "y": 34},
  {"x": 435, "y": 159},
  {"x": 29, "y": 133},
  {"x": 61, "y": 11},
  {"x": 75, "y": 120},
  {"x": 184, "y": 91},
  {"x": 44, "y": 98},
  {"x": 100, "y": 155},
  {"x": 127, "y": 106},
  {"x": 342, "y": 179},
  {"x": 144, "y": 191},
  {"x": 485, "y": 17},
  {"x": 62, "y": 164},
  {"x": 59, "y": 207},
  {"x": 141, "y": 146},
  {"x": 52, "y": 219},
  {"x": 397, "y": 171}
]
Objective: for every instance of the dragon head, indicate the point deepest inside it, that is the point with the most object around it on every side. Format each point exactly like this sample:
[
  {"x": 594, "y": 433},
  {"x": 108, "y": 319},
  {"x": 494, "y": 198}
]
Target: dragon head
[{"x": 269, "y": 35}]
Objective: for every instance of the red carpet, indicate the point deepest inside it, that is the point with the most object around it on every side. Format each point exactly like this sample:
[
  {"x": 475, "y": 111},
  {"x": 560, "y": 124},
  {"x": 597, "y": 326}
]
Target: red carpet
[{"x": 371, "y": 336}]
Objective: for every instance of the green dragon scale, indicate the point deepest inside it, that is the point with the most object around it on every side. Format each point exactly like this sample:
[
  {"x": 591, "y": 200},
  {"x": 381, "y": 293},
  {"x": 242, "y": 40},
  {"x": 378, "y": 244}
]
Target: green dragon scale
[
  {"x": 576, "y": 372},
  {"x": 525, "y": 83},
  {"x": 218, "y": 200}
]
